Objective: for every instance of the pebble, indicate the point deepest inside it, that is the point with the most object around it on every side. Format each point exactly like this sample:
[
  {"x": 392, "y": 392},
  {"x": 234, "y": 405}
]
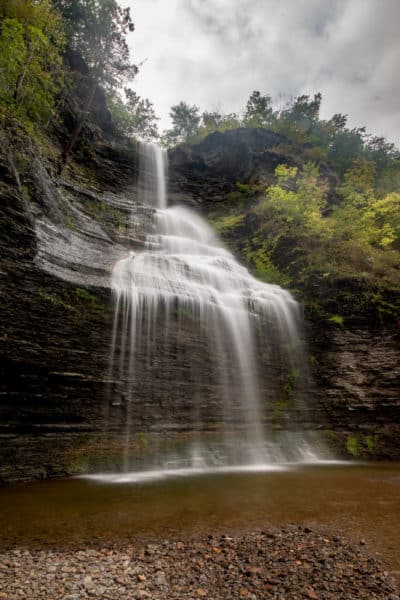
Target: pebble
[{"x": 290, "y": 563}]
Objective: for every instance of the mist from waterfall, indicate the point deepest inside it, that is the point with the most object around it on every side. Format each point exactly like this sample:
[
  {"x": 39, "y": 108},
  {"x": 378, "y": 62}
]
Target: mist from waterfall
[{"x": 185, "y": 275}]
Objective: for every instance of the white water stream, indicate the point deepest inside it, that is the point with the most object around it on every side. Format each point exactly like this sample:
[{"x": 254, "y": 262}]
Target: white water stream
[{"x": 184, "y": 270}]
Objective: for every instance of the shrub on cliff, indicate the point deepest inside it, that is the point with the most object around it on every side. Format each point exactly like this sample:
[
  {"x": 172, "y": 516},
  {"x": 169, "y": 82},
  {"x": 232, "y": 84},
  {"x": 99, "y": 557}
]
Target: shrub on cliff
[{"x": 31, "y": 74}]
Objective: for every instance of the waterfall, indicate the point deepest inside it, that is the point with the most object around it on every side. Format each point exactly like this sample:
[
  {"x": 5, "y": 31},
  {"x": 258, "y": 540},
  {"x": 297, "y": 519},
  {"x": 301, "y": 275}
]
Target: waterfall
[
  {"x": 185, "y": 280},
  {"x": 152, "y": 180}
]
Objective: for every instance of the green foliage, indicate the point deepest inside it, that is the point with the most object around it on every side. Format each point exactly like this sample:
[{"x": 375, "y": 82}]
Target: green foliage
[
  {"x": 55, "y": 300},
  {"x": 143, "y": 440},
  {"x": 263, "y": 267},
  {"x": 341, "y": 262},
  {"x": 215, "y": 121},
  {"x": 185, "y": 124},
  {"x": 352, "y": 446},
  {"x": 259, "y": 111},
  {"x": 134, "y": 116},
  {"x": 373, "y": 221},
  {"x": 300, "y": 122},
  {"x": 228, "y": 223},
  {"x": 31, "y": 42},
  {"x": 368, "y": 445},
  {"x": 97, "y": 31},
  {"x": 357, "y": 188},
  {"x": 337, "y": 319},
  {"x": 291, "y": 382},
  {"x": 80, "y": 303},
  {"x": 371, "y": 442},
  {"x": 302, "y": 204}
]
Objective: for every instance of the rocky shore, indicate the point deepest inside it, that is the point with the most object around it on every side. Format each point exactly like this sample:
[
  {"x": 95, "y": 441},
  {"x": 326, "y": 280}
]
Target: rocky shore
[{"x": 282, "y": 563}]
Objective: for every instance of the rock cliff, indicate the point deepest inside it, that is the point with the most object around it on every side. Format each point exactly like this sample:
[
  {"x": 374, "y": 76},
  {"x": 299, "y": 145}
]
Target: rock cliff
[{"x": 60, "y": 236}]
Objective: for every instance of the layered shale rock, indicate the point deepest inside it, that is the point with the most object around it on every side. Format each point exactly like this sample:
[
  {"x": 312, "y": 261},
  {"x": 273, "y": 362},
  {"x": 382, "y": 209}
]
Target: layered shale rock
[{"x": 60, "y": 237}]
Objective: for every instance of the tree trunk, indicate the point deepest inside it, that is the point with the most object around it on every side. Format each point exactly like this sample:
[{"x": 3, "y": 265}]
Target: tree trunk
[
  {"x": 21, "y": 78},
  {"x": 77, "y": 131}
]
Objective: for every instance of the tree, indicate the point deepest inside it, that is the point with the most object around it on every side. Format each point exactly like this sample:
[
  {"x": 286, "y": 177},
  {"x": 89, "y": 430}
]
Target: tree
[
  {"x": 357, "y": 188},
  {"x": 211, "y": 121},
  {"x": 185, "y": 124},
  {"x": 362, "y": 216},
  {"x": 31, "y": 73},
  {"x": 134, "y": 117},
  {"x": 300, "y": 119},
  {"x": 259, "y": 111},
  {"x": 298, "y": 197},
  {"x": 346, "y": 146},
  {"x": 382, "y": 152},
  {"x": 216, "y": 121},
  {"x": 384, "y": 215},
  {"x": 97, "y": 30}
]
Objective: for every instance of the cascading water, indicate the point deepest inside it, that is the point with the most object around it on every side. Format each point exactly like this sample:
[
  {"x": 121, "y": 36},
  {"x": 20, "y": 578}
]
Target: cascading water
[{"x": 184, "y": 275}]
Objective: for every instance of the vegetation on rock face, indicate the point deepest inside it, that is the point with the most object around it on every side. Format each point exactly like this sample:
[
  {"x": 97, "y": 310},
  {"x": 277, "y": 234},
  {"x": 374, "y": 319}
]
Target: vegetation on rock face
[
  {"x": 342, "y": 259},
  {"x": 58, "y": 53},
  {"x": 31, "y": 73},
  {"x": 299, "y": 121},
  {"x": 333, "y": 239},
  {"x": 133, "y": 115}
]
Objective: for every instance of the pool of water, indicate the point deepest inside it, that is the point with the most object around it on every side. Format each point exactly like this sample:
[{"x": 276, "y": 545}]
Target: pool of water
[{"x": 362, "y": 500}]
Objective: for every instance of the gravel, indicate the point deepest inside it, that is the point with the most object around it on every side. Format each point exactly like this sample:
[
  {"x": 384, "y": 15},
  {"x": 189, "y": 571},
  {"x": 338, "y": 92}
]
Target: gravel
[{"x": 281, "y": 563}]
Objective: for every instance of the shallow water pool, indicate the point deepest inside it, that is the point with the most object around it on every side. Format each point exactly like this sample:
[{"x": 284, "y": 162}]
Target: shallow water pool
[{"x": 363, "y": 500}]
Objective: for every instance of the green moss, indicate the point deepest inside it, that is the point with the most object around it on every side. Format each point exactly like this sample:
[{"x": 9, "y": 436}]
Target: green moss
[
  {"x": 80, "y": 302},
  {"x": 70, "y": 223},
  {"x": 234, "y": 197},
  {"x": 225, "y": 225},
  {"x": 26, "y": 191},
  {"x": 143, "y": 440},
  {"x": 352, "y": 446},
  {"x": 371, "y": 442},
  {"x": 104, "y": 213},
  {"x": 337, "y": 319},
  {"x": 279, "y": 409},
  {"x": 93, "y": 303},
  {"x": 54, "y": 300},
  {"x": 290, "y": 385}
]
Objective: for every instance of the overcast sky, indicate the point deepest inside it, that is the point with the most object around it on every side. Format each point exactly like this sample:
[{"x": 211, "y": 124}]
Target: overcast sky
[{"x": 214, "y": 53}]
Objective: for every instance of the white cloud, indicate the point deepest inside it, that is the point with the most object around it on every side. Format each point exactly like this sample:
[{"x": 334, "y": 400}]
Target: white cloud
[{"x": 214, "y": 53}]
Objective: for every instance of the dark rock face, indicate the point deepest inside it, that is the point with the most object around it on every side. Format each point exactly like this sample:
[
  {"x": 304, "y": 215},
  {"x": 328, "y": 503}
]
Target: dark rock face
[
  {"x": 358, "y": 377},
  {"x": 59, "y": 238},
  {"x": 206, "y": 172},
  {"x": 54, "y": 333}
]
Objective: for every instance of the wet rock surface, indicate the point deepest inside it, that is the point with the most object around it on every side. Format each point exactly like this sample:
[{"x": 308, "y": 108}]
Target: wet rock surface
[
  {"x": 59, "y": 238},
  {"x": 282, "y": 563}
]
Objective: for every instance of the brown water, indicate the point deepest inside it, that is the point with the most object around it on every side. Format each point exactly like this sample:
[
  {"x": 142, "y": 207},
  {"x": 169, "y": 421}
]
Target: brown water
[{"x": 361, "y": 500}]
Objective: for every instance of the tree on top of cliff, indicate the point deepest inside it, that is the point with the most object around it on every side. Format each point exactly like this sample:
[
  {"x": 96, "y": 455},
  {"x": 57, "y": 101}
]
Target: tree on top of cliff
[
  {"x": 299, "y": 120},
  {"x": 97, "y": 31},
  {"x": 259, "y": 111},
  {"x": 185, "y": 124},
  {"x": 135, "y": 116}
]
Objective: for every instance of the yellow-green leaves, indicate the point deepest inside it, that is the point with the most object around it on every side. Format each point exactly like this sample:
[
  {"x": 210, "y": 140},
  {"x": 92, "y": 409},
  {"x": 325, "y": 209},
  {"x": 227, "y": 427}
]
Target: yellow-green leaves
[
  {"x": 298, "y": 197},
  {"x": 284, "y": 173}
]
